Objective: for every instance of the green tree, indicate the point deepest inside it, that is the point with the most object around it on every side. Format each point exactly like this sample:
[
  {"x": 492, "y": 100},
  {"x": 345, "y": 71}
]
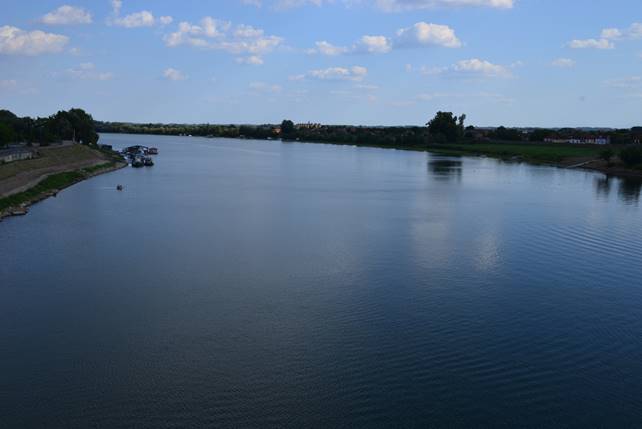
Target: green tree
[
  {"x": 84, "y": 127},
  {"x": 287, "y": 127},
  {"x": 540, "y": 135},
  {"x": 6, "y": 134},
  {"x": 631, "y": 155},
  {"x": 510, "y": 134},
  {"x": 446, "y": 127}
]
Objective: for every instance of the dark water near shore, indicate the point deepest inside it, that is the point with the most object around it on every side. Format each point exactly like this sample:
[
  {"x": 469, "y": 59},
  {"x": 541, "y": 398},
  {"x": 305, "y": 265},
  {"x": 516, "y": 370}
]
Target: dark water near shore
[{"x": 260, "y": 284}]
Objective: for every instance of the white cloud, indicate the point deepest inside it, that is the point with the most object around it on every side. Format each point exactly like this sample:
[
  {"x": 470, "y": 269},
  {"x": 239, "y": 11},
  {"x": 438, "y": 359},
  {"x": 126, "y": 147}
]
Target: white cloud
[
  {"x": 608, "y": 36},
  {"x": 165, "y": 20},
  {"x": 375, "y": 44},
  {"x": 565, "y": 63},
  {"x": 611, "y": 33},
  {"x": 14, "y": 41},
  {"x": 87, "y": 71},
  {"x": 243, "y": 40},
  {"x": 591, "y": 44},
  {"x": 423, "y": 33},
  {"x": 326, "y": 48},
  {"x": 472, "y": 67},
  {"x": 476, "y": 66},
  {"x": 138, "y": 19},
  {"x": 634, "y": 31},
  {"x": 66, "y": 14},
  {"x": 355, "y": 74},
  {"x": 420, "y": 34},
  {"x": 173, "y": 74}
]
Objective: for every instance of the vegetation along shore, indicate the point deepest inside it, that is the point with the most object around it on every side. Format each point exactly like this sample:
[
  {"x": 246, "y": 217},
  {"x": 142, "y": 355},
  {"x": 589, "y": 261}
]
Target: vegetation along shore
[
  {"x": 39, "y": 157},
  {"x": 611, "y": 151}
]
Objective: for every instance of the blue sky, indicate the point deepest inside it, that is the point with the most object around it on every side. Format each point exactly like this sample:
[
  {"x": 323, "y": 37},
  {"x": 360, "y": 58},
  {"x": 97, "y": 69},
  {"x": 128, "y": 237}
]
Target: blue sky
[{"x": 372, "y": 62}]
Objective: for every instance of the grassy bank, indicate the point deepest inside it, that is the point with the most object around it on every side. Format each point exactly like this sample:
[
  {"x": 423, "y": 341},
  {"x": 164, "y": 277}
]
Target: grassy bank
[
  {"x": 53, "y": 184},
  {"x": 51, "y": 157},
  {"x": 538, "y": 153}
]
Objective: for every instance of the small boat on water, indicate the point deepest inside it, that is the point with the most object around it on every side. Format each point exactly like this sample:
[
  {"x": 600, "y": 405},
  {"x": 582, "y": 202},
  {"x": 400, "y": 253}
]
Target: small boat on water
[
  {"x": 119, "y": 187},
  {"x": 152, "y": 151},
  {"x": 137, "y": 162},
  {"x": 148, "y": 161}
]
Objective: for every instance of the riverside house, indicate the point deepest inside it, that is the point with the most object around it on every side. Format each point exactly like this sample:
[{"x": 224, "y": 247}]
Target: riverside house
[{"x": 15, "y": 154}]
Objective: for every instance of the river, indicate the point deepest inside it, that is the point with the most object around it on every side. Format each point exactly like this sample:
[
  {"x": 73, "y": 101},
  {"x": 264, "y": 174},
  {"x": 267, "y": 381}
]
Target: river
[{"x": 242, "y": 283}]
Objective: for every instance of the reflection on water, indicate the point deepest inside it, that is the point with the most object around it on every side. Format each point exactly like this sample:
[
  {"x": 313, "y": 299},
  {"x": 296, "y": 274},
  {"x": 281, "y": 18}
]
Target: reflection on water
[
  {"x": 629, "y": 190},
  {"x": 446, "y": 169},
  {"x": 253, "y": 284},
  {"x": 603, "y": 187}
]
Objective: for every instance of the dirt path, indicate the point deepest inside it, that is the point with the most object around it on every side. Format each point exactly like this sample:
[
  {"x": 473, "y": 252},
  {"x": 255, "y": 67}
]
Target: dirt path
[{"x": 19, "y": 176}]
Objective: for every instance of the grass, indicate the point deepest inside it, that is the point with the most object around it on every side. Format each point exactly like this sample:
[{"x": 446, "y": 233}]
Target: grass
[
  {"x": 530, "y": 152},
  {"x": 50, "y": 157},
  {"x": 56, "y": 181},
  {"x": 51, "y": 183},
  {"x": 96, "y": 168}
]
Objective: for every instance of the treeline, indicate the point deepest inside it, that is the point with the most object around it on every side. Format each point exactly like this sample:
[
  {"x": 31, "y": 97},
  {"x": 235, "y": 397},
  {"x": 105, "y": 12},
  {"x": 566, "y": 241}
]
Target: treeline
[
  {"x": 75, "y": 124},
  {"x": 201, "y": 130},
  {"x": 443, "y": 128},
  {"x": 618, "y": 137}
]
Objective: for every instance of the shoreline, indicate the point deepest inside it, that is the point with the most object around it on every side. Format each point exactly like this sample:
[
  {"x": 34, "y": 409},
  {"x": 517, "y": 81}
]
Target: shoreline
[
  {"x": 592, "y": 164},
  {"x": 574, "y": 162},
  {"x": 33, "y": 195}
]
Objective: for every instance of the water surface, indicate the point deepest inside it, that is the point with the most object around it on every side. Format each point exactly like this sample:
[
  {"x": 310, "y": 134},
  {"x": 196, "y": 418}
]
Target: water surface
[{"x": 253, "y": 284}]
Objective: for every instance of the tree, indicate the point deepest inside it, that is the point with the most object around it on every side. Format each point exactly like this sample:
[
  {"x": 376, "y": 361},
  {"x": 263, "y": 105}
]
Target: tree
[
  {"x": 446, "y": 127},
  {"x": 287, "y": 127},
  {"x": 631, "y": 155},
  {"x": 540, "y": 135},
  {"x": 84, "y": 127},
  {"x": 6, "y": 134},
  {"x": 510, "y": 134}
]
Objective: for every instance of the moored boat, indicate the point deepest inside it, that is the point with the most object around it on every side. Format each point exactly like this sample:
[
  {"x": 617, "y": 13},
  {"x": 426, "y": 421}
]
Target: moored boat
[{"x": 137, "y": 162}]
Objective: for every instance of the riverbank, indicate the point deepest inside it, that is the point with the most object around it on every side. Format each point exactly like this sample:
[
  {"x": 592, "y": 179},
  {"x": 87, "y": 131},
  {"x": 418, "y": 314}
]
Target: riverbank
[
  {"x": 586, "y": 157},
  {"x": 24, "y": 183}
]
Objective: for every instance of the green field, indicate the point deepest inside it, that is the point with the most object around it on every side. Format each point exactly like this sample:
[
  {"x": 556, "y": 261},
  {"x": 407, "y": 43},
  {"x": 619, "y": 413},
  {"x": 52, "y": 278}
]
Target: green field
[{"x": 554, "y": 153}]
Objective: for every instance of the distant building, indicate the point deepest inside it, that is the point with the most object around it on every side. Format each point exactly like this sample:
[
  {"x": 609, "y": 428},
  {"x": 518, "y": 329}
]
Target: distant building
[
  {"x": 308, "y": 126},
  {"x": 15, "y": 154},
  {"x": 582, "y": 140}
]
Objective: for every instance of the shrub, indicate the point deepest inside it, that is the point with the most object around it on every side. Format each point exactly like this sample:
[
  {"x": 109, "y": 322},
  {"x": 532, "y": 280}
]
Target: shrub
[{"x": 631, "y": 155}]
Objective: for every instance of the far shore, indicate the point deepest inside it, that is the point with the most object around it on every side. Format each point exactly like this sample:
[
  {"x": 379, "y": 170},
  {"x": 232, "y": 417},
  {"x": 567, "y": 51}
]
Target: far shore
[{"x": 574, "y": 156}]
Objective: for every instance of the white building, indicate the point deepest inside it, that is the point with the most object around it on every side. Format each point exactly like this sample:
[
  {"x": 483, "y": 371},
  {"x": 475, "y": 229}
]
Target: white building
[{"x": 16, "y": 154}]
